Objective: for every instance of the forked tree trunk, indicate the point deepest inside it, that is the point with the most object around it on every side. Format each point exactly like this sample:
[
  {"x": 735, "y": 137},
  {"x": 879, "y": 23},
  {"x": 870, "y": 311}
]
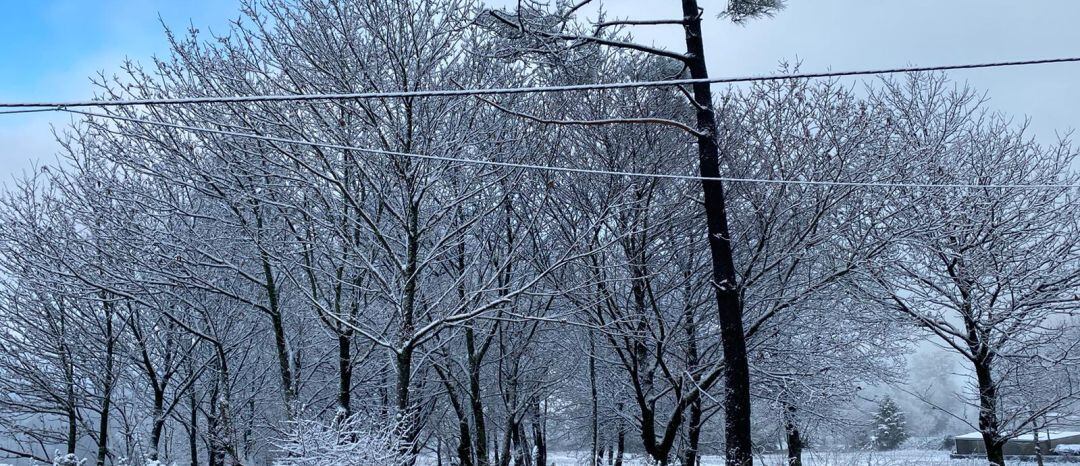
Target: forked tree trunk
[{"x": 476, "y": 400}]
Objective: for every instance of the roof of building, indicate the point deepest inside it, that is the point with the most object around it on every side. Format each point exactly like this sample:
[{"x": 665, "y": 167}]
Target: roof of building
[{"x": 1028, "y": 437}]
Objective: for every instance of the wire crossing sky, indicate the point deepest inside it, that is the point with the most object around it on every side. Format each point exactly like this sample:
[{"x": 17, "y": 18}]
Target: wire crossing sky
[
  {"x": 529, "y": 90},
  {"x": 578, "y": 170},
  {"x": 51, "y": 49},
  {"x": 33, "y": 107}
]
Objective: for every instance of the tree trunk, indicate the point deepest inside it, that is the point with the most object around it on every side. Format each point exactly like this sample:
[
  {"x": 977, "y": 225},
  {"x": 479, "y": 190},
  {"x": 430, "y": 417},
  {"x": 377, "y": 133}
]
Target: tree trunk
[
  {"x": 620, "y": 445},
  {"x": 106, "y": 388},
  {"x": 464, "y": 451},
  {"x": 406, "y": 416},
  {"x": 281, "y": 343},
  {"x": 504, "y": 450},
  {"x": 344, "y": 374},
  {"x": 794, "y": 437},
  {"x": 539, "y": 440},
  {"x": 476, "y": 401},
  {"x": 215, "y": 432},
  {"x": 193, "y": 433},
  {"x": 737, "y": 441},
  {"x": 464, "y": 446},
  {"x": 283, "y": 353},
  {"x": 693, "y": 434},
  {"x": 158, "y": 423},
  {"x": 72, "y": 412},
  {"x": 219, "y": 423},
  {"x": 693, "y": 428},
  {"x": 989, "y": 424},
  {"x": 594, "y": 419},
  {"x": 522, "y": 457},
  {"x": 410, "y": 428},
  {"x": 1038, "y": 448}
]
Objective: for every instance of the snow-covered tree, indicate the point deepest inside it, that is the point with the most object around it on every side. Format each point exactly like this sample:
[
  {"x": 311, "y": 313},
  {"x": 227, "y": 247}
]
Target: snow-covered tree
[
  {"x": 990, "y": 273},
  {"x": 889, "y": 426}
]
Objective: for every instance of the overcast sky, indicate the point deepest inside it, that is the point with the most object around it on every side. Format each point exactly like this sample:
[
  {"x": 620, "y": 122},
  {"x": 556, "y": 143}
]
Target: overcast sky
[{"x": 49, "y": 48}]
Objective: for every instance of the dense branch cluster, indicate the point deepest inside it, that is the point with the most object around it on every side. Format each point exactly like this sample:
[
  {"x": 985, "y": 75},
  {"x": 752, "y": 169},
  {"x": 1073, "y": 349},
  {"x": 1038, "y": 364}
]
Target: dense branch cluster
[{"x": 195, "y": 297}]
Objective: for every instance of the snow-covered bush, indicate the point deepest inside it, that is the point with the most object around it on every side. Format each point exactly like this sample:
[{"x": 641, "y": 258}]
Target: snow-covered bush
[
  {"x": 357, "y": 440},
  {"x": 1067, "y": 450},
  {"x": 68, "y": 460}
]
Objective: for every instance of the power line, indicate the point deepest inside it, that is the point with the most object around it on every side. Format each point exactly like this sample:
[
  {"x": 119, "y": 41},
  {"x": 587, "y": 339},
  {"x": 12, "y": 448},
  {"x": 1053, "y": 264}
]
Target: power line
[
  {"x": 30, "y": 110},
  {"x": 526, "y": 90},
  {"x": 571, "y": 169}
]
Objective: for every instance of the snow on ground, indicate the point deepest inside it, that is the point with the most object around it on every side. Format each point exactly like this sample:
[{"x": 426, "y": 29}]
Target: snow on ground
[{"x": 891, "y": 458}]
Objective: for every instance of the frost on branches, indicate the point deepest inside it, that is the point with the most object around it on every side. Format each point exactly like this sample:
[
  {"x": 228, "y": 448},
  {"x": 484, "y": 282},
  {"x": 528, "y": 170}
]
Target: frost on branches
[{"x": 356, "y": 440}]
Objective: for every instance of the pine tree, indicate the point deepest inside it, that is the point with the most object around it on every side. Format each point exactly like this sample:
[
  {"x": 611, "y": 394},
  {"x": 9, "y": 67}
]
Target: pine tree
[{"x": 889, "y": 426}]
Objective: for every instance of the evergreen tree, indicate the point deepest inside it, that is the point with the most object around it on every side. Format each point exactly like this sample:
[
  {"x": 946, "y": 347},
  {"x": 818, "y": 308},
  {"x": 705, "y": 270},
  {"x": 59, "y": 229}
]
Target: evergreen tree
[{"x": 889, "y": 426}]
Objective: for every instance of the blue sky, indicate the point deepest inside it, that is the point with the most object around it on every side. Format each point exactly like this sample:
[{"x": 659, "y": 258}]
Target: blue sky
[
  {"x": 49, "y": 48},
  {"x": 44, "y": 43}
]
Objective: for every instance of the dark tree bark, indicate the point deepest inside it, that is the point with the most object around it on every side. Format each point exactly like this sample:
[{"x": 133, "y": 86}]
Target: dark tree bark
[
  {"x": 989, "y": 424},
  {"x": 193, "y": 429},
  {"x": 106, "y": 387},
  {"x": 476, "y": 401},
  {"x": 737, "y": 441},
  {"x": 620, "y": 442},
  {"x": 1038, "y": 447},
  {"x": 410, "y": 428},
  {"x": 539, "y": 436},
  {"x": 345, "y": 373},
  {"x": 69, "y": 402},
  {"x": 693, "y": 428},
  {"x": 794, "y": 437},
  {"x": 280, "y": 342},
  {"x": 464, "y": 447},
  {"x": 158, "y": 381},
  {"x": 403, "y": 400},
  {"x": 594, "y": 426},
  {"x": 503, "y": 457},
  {"x": 736, "y": 371}
]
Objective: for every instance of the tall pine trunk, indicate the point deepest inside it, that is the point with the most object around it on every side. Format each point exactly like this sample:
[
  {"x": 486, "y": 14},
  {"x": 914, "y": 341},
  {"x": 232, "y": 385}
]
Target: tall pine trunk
[{"x": 737, "y": 442}]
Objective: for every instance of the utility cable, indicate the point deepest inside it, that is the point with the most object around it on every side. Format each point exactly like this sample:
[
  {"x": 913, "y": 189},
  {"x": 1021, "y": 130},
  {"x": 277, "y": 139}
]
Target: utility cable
[
  {"x": 525, "y": 90},
  {"x": 571, "y": 169}
]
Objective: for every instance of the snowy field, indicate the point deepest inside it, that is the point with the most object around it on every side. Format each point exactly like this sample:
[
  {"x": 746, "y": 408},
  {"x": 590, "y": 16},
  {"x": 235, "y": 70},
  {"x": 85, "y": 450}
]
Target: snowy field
[{"x": 892, "y": 458}]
